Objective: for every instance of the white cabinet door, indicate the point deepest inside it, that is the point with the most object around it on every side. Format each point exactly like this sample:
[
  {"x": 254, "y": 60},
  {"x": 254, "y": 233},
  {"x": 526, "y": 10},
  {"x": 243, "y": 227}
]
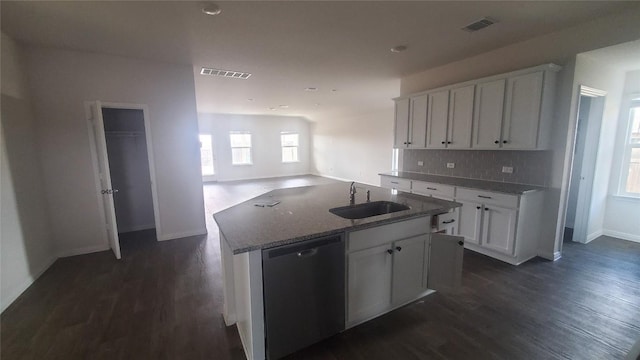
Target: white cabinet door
[
  {"x": 460, "y": 117},
  {"x": 445, "y": 262},
  {"x": 522, "y": 111},
  {"x": 438, "y": 115},
  {"x": 369, "y": 282},
  {"x": 470, "y": 221},
  {"x": 487, "y": 121},
  {"x": 498, "y": 228},
  {"x": 418, "y": 124},
  {"x": 408, "y": 268},
  {"x": 401, "y": 123}
]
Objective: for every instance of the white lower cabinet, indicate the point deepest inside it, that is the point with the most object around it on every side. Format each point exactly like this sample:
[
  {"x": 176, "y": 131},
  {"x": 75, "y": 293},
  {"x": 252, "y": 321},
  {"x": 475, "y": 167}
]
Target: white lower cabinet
[
  {"x": 384, "y": 277},
  {"x": 498, "y": 228},
  {"x": 369, "y": 282},
  {"x": 470, "y": 221},
  {"x": 408, "y": 269}
]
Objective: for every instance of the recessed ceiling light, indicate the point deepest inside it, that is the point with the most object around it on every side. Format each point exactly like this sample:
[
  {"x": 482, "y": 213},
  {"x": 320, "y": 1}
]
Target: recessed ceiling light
[
  {"x": 212, "y": 9},
  {"x": 284, "y": 106},
  {"x": 249, "y": 99},
  {"x": 311, "y": 89},
  {"x": 399, "y": 48}
]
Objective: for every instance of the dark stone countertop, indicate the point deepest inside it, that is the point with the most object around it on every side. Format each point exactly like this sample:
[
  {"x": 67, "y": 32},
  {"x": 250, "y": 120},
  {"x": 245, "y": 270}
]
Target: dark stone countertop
[
  {"x": 496, "y": 186},
  {"x": 303, "y": 213}
]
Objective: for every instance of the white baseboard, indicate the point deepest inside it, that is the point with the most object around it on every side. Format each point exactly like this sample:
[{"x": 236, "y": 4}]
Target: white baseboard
[
  {"x": 264, "y": 177},
  {"x": 164, "y": 237},
  {"x": 622, "y": 235},
  {"x": 553, "y": 256},
  {"x": 14, "y": 294},
  {"x": 83, "y": 250},
  {"x": 594, "y": 235}
]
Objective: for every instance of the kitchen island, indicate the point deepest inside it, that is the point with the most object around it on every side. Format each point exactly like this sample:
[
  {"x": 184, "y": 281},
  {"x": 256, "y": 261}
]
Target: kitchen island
[{"x": 377, "y": 275}]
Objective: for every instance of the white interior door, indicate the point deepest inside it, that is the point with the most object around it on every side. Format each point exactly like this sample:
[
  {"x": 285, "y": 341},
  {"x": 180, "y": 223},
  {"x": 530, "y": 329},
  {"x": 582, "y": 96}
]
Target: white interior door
[
  {"x": 107, "y": 192},
  {"x": 587, "y": 170}
]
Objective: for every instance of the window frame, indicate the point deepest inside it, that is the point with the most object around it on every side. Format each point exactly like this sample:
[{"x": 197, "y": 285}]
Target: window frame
[
  {"x": 283, "y": 147},
  {"x": 628, "y": 146},
  {"x": 250, "y": 147},
  {"x": 213, "y": 159}
]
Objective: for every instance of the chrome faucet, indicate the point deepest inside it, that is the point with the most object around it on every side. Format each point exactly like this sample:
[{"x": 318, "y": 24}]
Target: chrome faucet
[{"x": 352, "y": 194}]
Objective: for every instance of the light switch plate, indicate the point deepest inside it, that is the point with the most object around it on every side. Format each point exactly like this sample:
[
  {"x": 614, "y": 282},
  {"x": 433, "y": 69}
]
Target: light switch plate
[
  {"x": 420, "y": 163},
  {"x": 451, "y": 165},
  {"x": 507, "y": 169}
]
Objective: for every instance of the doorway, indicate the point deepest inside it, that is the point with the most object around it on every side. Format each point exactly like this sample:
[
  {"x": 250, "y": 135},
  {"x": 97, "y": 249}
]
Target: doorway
[
  {"x": 587, "y": 138},
  {"x": 124, "y": 170},
  {"x": 207, "y": 157}
]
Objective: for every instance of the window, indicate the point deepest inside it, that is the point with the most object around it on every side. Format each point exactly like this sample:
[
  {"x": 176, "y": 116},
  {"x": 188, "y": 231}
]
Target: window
[
  {"x": 289, "y": 143},
  {"x": 631, "y": 166},
  {"x": 206, "y": 155},
  {"x": 240, "y": 148}
]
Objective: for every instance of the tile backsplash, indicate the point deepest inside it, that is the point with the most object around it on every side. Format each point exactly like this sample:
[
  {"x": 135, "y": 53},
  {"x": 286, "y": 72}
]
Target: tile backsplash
[{"x": 529, "y": 167}]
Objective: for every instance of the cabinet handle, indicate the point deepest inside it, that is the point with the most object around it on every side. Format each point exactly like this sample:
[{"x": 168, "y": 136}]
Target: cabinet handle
[
  {"x": 496, "y": 142},
  {"x": 393, "y": 182},
  {"x": 444, "y": 142},
  {"x": 478, "y": 207},
  {"x": 405, "y": 143},
  {"x": 430, "y": 188},
  {"x": 448, "y": 142},
  {"x": 390, "y": 251},
  {"x": 504, "y": 141},
  {"x": 409, "y": 143},
  {"x": 460, "y": 243},
  {"x": 486, "y": 209},
  {"x": 484, "y": 197},
  {"x": 398, "y": 248},
  {"x": 449, "y": 222}
]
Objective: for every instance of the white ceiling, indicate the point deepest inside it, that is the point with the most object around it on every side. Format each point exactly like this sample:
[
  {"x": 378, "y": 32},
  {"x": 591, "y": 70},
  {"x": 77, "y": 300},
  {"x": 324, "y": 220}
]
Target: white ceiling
[{"x": 289, "y": 46}]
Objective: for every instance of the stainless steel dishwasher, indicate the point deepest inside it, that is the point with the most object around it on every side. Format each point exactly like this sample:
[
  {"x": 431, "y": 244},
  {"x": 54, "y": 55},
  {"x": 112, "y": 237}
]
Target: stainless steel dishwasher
[{"x": 304, "y": 294}]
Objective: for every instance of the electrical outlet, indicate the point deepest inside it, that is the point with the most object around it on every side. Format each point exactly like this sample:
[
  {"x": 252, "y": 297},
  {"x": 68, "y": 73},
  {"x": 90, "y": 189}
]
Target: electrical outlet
[
  {"x": 507, "y": 169},
  {"x": 451, "y": 165},
  {"x": 420, "y": 163}
]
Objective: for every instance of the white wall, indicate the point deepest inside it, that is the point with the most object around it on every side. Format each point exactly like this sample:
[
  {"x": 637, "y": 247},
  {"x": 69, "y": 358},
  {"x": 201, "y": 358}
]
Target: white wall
[
  {"x": 561, "y": 48},
  {"x": 266, "y": 146},
  {"x": 621, "y": 217},
  {"x": 26, "y": 249},
  {"x": 61, "y": 81},
  {"x": 355, "y": 148},
  {"x": 597, "y": 75}
]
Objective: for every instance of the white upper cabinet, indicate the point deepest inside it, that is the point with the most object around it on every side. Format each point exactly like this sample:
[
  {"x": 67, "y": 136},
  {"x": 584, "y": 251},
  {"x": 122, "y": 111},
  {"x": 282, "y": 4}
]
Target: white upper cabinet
[
  {"x": 522, "y": 111},
  {"x": 487, "y": 115},
  {"x": 460, "y": 117},
  {"x": 418, "y": 124},
  {"x": 437, "y": 119},
  {"x": 402, "y": 123},
  {"x": 509, "y": 111}
]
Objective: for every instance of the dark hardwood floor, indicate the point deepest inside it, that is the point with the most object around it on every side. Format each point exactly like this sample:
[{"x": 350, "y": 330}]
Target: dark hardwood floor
[{"x": 163, "y": 300}]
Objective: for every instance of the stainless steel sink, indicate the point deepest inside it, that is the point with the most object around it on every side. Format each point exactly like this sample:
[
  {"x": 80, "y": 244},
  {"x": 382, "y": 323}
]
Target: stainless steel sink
[{"x": 361, "y": 211}]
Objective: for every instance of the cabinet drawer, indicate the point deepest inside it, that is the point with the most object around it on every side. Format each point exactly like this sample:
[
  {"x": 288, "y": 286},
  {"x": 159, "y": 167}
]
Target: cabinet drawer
[
  {"x": 379, "y": 235},
  {"x": 432, "y": 189},
  {"x": 392, "y": 182},
  {"x": 488, "y": 197}
]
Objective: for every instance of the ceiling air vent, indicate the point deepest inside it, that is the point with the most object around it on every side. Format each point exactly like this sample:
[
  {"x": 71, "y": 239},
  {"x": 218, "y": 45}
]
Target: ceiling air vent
[
  {"x": 225, "y": 73},
  {"x": 480, "y": 24}
]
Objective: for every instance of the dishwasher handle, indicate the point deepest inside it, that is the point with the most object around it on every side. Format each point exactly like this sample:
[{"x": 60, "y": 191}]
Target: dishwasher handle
[{"x": 308, "y": 253}]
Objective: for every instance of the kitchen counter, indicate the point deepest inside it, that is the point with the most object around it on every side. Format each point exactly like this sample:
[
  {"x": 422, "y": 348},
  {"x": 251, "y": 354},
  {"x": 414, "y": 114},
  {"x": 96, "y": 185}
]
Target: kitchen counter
[
  {"x": 303, "y": 213},
  {"x": 502, "y": 187}
]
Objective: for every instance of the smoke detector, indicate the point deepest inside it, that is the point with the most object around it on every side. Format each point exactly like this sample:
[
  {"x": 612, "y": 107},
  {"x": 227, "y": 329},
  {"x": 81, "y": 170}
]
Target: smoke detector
[
  {"x": 225, "y": 73},
  {"x": 479, "y": 24}
]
